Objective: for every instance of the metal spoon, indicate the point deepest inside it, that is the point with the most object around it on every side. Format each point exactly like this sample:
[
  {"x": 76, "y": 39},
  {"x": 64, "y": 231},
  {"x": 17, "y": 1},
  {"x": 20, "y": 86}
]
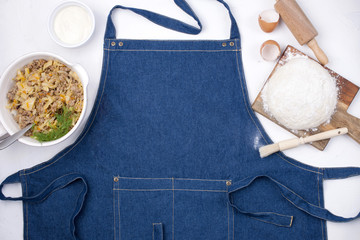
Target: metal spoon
[
  {"x": 3, "y": 137},
  {"x": 12, "y": 138}
]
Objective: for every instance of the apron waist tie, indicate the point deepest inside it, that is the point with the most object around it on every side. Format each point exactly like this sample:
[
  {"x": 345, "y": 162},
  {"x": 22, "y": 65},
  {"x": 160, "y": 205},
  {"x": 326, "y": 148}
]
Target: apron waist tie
[
  {"x": 268, "y": 217},
  {"x": 157, "y": 231},
  {"x": 295, "y": 199},
  {"x": 55, "y": 185}
]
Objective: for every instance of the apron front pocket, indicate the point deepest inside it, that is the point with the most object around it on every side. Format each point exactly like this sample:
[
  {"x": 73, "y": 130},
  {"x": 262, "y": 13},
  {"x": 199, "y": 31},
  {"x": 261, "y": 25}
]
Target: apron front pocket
[{"x": 171, "y": 208}]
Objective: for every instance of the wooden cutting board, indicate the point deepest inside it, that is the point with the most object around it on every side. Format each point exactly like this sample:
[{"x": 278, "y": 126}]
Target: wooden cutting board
[{"x": 347, "y": 92}]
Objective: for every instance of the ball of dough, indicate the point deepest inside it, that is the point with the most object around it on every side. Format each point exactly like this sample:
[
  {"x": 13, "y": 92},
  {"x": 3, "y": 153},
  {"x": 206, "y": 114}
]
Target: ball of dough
[{"x": 301, "y": 94}]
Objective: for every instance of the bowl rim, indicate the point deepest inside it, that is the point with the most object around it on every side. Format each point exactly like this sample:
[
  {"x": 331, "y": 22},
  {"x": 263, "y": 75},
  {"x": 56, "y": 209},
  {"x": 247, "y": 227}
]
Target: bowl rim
[
  {"x": 84, "y": 78},
  {"x": 59, "y": 7}
]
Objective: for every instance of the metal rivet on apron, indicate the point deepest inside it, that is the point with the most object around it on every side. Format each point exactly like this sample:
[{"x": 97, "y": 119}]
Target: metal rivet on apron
[
  {"x": 121, "y": 44},
  {"x": 116, "y": 179},
  {"x": 113, "y": 43},
  {"x": 224, "y": 44},
  {"x": 231, "y": 44},
  {"x": 228, "y": 183}
]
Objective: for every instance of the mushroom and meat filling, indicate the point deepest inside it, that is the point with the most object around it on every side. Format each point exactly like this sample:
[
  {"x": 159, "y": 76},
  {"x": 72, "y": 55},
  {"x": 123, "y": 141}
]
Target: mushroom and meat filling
[{"x": 48, "y": 94}]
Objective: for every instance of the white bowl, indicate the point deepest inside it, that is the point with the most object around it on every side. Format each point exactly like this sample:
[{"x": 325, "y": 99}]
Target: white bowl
[
  {"x": 53, "y": 15},
  {"x": 6, "y": 82}
]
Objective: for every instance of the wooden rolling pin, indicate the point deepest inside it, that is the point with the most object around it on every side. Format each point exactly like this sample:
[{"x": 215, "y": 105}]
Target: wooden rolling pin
[
  {"x": 294, "y": 142},
  {"x": 300, "y": 26}
]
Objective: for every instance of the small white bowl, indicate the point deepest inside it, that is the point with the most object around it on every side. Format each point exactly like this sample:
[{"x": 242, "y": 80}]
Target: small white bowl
[
  {"x": 61, "y": 7},
  {"x": 6, "y": 82}
]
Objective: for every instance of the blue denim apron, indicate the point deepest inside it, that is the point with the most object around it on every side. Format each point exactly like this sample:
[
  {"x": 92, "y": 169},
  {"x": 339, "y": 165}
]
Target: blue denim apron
[{"x": 170, "y": 151}]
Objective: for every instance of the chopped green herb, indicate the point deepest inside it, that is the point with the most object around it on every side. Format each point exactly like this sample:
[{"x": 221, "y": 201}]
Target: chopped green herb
[{"x": 64, "y": 122}]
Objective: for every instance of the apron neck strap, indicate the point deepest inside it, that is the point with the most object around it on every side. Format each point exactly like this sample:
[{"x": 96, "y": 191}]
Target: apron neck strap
[{"x": 171, "y": 23}]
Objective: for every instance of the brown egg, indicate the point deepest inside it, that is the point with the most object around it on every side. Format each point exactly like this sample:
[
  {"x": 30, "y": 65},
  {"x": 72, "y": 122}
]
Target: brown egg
[
  {"x": 270, "y": 50},
  {"x": 268, "y": 20}
]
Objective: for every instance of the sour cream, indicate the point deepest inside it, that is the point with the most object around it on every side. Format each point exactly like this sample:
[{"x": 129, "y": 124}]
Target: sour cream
[{"x": 72, "y": 25}]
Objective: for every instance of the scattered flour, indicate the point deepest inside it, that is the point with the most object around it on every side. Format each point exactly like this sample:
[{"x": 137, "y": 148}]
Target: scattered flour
[{"x": 300, "y": 95}]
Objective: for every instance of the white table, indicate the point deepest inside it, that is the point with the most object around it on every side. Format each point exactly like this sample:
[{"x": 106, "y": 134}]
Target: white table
[{"x": 23, "y": 29}]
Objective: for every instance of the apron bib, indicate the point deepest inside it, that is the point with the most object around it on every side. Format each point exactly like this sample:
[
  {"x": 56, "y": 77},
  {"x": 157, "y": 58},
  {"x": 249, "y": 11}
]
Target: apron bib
[{"x": 170, "y": 151}]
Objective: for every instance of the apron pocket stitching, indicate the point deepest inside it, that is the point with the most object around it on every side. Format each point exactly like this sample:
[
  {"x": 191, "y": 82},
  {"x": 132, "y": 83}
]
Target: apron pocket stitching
[
  {"x": 119, "y": 213},
  {"x": 129, "y": 185},
  {"x": 154, "y": 190},
  {"x": 227, "y": 209},
  {"x": 114, "y": 215}
]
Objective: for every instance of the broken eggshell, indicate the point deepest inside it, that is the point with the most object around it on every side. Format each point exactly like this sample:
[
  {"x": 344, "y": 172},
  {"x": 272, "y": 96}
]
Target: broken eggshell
[
  {"x": 270, "y": 50},
  {"x": 268, "y": 20}
]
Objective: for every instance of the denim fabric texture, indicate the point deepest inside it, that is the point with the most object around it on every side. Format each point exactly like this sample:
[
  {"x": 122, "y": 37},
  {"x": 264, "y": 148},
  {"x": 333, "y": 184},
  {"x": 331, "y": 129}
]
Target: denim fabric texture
[{"x": 170, "y": 151}]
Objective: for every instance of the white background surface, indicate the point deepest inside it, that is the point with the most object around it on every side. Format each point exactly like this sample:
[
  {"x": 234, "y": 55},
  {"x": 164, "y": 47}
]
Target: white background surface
[{"x": 23, "y": 29}]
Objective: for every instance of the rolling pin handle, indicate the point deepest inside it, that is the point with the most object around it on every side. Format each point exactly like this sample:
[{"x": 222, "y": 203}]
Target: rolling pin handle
[{"x": 319, "y": 53}]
